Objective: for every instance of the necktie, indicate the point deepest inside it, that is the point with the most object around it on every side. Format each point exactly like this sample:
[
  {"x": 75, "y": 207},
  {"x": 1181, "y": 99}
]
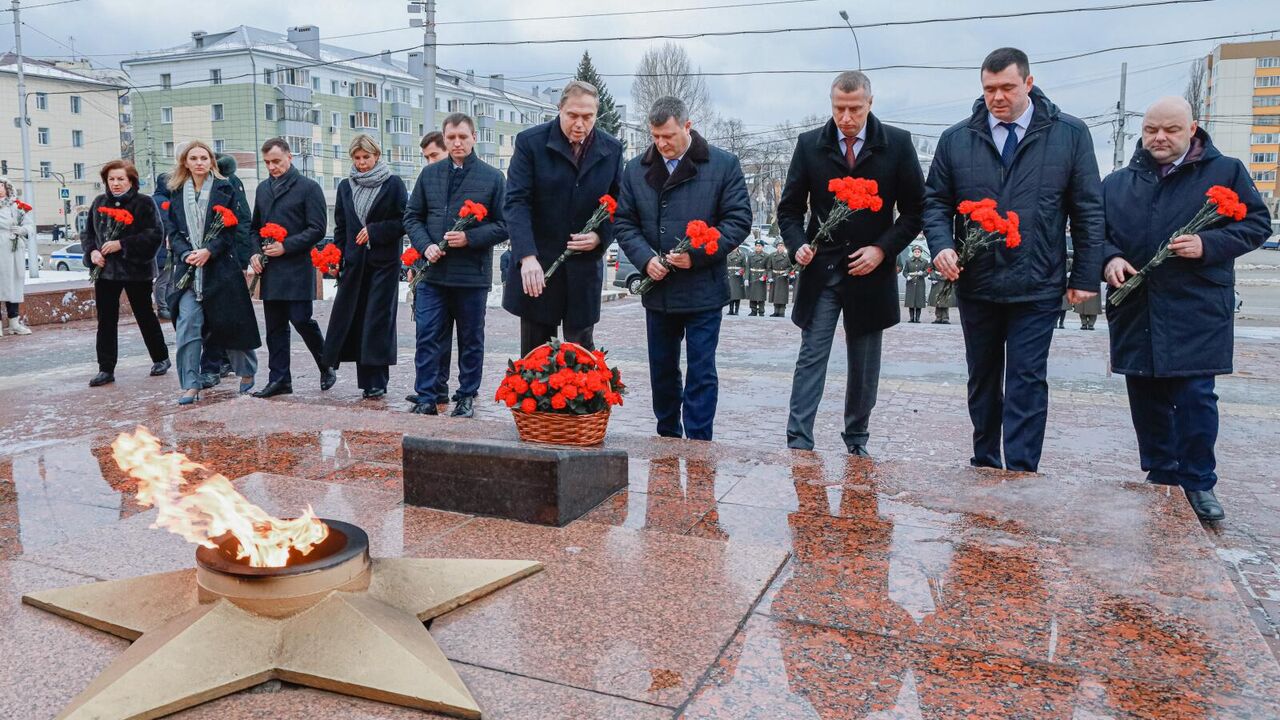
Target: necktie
[
  {"x": 671, "y": 166},
  {"x": 1010, "y": 143},
  {"x": 849, "y": 155}
]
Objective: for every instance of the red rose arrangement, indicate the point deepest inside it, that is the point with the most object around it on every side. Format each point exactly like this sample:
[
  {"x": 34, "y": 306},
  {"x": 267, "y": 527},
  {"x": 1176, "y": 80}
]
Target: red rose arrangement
[
  {"x": 986, "y": 228},
  {"x": 606, "y": 209},
  {"x": 270, "y": 232},
  {"x": 852, "y": 194},
  {"x": 470, "y": 214},
  {"x": 223, "y": 218},
  {"x": 412, "y": 259},
  {"x": 1223, "y": 203},
  {"x": 22, "y": 206},
  {"x": 561, "y": 377},
  {"x": 328, "y": 260},
  {"x": 697, "y": 236},
  {"x": 117, "y": 220}
]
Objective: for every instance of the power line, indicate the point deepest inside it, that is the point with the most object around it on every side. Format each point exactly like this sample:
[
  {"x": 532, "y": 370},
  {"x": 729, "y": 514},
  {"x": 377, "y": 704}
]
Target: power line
[
  {"x": 820, "y": 28},
  {"x": 48, "y": 4},
  {"x": 627, "y": 12}
]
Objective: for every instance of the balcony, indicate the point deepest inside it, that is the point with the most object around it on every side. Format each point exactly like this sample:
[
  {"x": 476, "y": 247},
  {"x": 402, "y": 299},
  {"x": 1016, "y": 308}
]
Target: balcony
[
  {"x": 366, "y": 104},
  {"x": 398, "y": 139},
  {"x": 401, "y": 109}
]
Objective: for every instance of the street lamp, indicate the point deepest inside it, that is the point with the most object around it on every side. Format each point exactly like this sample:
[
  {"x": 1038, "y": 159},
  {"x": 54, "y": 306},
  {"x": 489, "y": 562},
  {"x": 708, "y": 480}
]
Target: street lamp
[{"x": 845, "y": 16}]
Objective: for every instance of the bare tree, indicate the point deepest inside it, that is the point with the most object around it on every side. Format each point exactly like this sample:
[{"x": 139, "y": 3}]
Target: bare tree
[
  {"x": 1194, "y": 93},
  {"x": 666, "y": 70}
]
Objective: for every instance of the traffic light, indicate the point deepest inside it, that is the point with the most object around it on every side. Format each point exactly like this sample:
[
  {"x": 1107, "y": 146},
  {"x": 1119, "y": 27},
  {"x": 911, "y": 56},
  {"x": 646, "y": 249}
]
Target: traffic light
[{"x": 4, "y": 167}]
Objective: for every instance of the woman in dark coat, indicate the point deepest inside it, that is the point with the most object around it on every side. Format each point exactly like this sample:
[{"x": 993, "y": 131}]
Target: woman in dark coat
[
  {"x": 914, "y": 271},
  {"x": 210, "y": 300},
  {"x": 126, "y": 265},
  {"x": 368, "y": 227}
]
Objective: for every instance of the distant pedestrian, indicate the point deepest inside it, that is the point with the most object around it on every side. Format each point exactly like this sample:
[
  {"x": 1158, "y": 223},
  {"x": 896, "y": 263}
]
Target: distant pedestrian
[{"x": 17, "y": 243}]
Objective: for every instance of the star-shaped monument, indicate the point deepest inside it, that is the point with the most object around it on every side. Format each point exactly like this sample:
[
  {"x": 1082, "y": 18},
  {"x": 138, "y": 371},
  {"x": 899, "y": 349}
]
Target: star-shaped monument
[{"x": 365, "y": 638}]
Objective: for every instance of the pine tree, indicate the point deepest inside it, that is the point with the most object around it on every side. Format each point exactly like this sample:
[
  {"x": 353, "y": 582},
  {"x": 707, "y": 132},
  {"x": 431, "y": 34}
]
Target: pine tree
[{"x": 607, "y": 119}]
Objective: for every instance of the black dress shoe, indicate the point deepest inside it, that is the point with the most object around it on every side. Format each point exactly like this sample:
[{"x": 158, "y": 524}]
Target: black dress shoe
[
  {"x": 208, "y": 380},
  {"x": 160, "y": 368},
  {"x": 280, "y": 387},
  {"x": 374, "y": 393},
  {"x": 226, "y": 370},
  {"x": 102, "y": 378},
  {"x": 465, "y": 407},
  {"x": 425, "y": 409},
  {"x": 328, "y": 378},
  {"x": 859, "y": 450},
  {"x": 1206, "y": 505},
  {"x": 411, "y": 398}
]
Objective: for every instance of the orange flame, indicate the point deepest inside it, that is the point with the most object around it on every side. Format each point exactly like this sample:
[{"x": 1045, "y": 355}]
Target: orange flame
[{"x": 213, "y": 508}]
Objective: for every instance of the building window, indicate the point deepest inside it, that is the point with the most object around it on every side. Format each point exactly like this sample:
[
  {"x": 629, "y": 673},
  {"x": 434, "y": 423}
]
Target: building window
[
  {"x": 80, "y": 200},
  {"x": 502, "y": 140},
  {"x": 77, "y": 171},
  {"x": 1264, "y": 138},
  {"x": 75, "y": 104},
  {"x": 486, "y": 135},
  {"x": 1264, "y": 176},
  {"x": 502, "y": 114},
  {"x": 46, "y": 168},
  {"x": 399, "y": 125},
  {"x": 457, "y": 105},
  {"x": 335, "y": 120},
  {"x": 298, "y": 77},
  {"x": 42, "y": 136},
  {"x": 437, "y": 104},
  {"x": 42, "y": 101},
  {"x": 219, "y": 146},
  {"x": 1269, "y": 62},
  {"x": 334, "y": 87},
  {"x": 166, "y": 81},
  {"x": 419, "y": 100},
  {"x": 315, "y": 84},
  {"x": 1266, "y": 100},
  {"x": 364, "y": 121},
  {"x": 1266, "y": 119},
  {"x": 1265, "y": 81},
  {"x": 268, "y": 77},
  {"x": 269, "y": 111},
  {"x": 364, "y": 89},
  {"x": 336, "y": 181},
  {"x": 166, "y": 115},
  {"x": 168, "y": 149},
  {"x": 77, "y": 138},
  {"x": 301, "y": 146},
  {"x": 215, "y": 76},
  {"x": 1264, "y": 158},
  {"x": 216, "y": 111}
]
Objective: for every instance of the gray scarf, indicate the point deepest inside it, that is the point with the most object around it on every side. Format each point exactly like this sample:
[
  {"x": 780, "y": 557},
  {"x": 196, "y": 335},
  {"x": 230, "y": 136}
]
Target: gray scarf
[
  {"x": 196, "y": 207},
  {"x": 365, "y": 187}
]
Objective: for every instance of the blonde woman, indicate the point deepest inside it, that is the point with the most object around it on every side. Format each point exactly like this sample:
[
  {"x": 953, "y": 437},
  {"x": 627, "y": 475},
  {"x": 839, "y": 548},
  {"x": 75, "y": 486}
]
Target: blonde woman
[
  {"x": 367, "y": 226},
  {"x": 213, "y": 305},
  {"x": 17, "y": 229}
]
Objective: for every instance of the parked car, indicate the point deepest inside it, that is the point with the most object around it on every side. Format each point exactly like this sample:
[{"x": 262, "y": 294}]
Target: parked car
[
  {"x": 70, "y": 256},
  {"x": 1272, "y": 243},
  {"x": 625, "y": 275}
]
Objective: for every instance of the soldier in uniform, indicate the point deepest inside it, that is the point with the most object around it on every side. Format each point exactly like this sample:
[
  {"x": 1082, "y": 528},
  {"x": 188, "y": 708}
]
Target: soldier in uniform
[
  {"x": 757, "y": 270},
  {"x": 1066, "y": 304},
  {"x": 941, "y": 310},
  {"x": 780, "y": 278},
  {"x": 737, "y": 264},
  {"x": 914, "y": 271},
  {"x": 1089, "y": 310}
]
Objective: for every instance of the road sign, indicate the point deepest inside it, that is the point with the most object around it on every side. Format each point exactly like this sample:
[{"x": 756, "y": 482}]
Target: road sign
[{"x": 65, "y": 193}]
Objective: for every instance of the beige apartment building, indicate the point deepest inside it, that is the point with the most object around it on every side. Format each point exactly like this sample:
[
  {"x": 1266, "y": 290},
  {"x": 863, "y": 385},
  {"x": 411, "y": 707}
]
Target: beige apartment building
[
  {"x": 1242, "y": 108},
  {"x": 74, "y": 127}
]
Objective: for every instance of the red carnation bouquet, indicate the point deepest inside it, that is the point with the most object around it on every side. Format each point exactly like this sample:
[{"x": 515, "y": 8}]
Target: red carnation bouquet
[
  {"x": 164, "y": 205},
  {"x": 561, "y": 377},
  {"x": 470, "y": 214},
  {"x": 223, "y": 218},
  {"x": 852, "y": 194},
  {"x": 608, "y": 206},
  {"x": 697, "y": 236},
  {"x": 986, "y": 229},
  {"x": 117, "y": 220},
  {"x": 23, "y": 209},
  {"x": 270, "y": 233},
  {"x": 328, "y": 260},
  {"x": 1223, "y": 202},
  {"x": 412, "y": 259}
]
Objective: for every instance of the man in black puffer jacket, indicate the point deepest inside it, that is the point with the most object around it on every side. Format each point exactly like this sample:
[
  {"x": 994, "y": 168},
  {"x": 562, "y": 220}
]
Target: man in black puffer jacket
[
  {"x": 1020, "y": 150},
  {"x": 455, "y": 286}
]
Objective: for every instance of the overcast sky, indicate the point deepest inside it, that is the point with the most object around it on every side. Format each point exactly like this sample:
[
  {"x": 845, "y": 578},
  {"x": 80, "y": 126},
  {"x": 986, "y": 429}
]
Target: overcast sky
[{"x": 1088, "y": 86}]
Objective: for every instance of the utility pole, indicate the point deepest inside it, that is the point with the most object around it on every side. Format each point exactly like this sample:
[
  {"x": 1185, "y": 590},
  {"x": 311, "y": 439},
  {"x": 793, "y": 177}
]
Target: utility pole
[
  {"x": 428, "y": 26},
  {"x": 28, "y": 193},
  {"x": 1121, "y": 118}
]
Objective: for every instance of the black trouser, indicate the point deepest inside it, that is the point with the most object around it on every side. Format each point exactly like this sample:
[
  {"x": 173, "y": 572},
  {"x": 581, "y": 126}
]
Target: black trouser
[
  {"x": 780, "y": 309},
  {"x": 733, "y": 306},
  {"x": 1062, "y": 318},
  {"x": 533, "y": 334},
  {"x": 279, "y": 315},
  {"x": 213, "y": 359},
  {"x": 941, "y": 314},
  {"x": 13, "y": 309},
  {"x": 757, "y": 307},
  {"x": 106, "y": 293},
  {"x": 913, "y": 314}
]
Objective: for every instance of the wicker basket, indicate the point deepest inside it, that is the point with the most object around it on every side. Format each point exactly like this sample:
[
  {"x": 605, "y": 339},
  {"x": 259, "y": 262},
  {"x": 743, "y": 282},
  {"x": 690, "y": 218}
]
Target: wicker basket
[{"x": 562, "y": 429}]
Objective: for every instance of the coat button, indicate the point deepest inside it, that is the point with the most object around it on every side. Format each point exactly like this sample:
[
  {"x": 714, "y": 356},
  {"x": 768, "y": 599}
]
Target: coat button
[
  {"x": 663, "y": 231},
  {"x": 831, "y": 267},
  {"x": 664, "y": 203}
]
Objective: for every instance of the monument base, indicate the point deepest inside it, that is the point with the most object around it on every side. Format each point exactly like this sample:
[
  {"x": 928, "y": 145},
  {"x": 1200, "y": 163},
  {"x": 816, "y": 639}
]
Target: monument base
[{"x": 544, "y": 485}]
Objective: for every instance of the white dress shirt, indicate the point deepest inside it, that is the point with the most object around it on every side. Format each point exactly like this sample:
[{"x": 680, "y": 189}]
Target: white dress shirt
[{"x": 1023, "y": 121}]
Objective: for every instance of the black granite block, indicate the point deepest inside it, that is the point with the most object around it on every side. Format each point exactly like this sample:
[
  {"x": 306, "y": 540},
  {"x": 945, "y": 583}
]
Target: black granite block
[{"x": 546, "y": 485}]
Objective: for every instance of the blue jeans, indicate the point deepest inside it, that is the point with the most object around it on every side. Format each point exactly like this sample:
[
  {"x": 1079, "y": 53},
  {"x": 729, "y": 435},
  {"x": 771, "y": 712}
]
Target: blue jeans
[
  {"x": 1006, "y": 346},
  {"x": 694, "y": 399},
  {"x": 1176, "y": 420},
  {"x": 190, "y": 341},
  {"x": 434, "y": 305}
]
